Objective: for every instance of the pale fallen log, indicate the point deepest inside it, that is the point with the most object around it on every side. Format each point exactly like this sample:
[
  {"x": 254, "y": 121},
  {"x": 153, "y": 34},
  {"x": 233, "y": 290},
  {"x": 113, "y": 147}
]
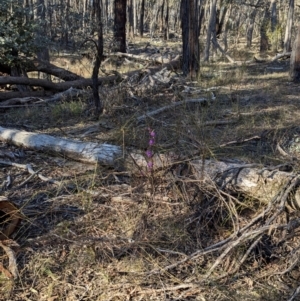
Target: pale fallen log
[
  {"x": 89, "y": 152},
  {"x": 249, "y": 180},
  {"x": 160, "y": 60}
]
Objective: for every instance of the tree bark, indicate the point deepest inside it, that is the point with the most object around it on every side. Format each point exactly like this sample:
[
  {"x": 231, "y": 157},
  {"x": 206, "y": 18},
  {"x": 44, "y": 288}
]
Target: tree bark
[
  {"x": 211, "y": 30},
  {"x": 142, "y": 14},
  {"x": 264, "y": 40},
  {"x": 295, "y": 59},
  {"x": 288, "y": 28},
  {"x": 120, "y": 25},
  {"x": 190, "y": 38},
  {"x": 99, "y": 57}
]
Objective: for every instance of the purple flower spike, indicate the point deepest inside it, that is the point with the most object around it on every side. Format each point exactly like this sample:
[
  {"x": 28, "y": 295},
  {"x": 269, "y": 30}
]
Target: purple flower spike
[
  {"x": 151, "y": 142},
  {"x": 150, "y": 165},
  {"x": 149, "y": 153},
  {"x": 152, "y": 133}
]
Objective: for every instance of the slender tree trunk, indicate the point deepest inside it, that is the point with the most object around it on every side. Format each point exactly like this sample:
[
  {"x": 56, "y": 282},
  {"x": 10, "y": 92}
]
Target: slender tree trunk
[
  {"x": 288, "y": 28},
  {"x": 274, "y": 39},
  {"x": 42, "y": 54},
  {"x": 190, "y": 35},
  {"x": 250, "y": 27},
  {"x": 295, "y": 59},
  {"x": 130, "y": 18},
  {"x": 264, "y": 39},
  {"x": 211, "y": 30},
  {"x": 142, "y": 14},
  {"x": 99, "y": 56},
  {"x": 120, "y": 25},
  {"x": 166, "y": 23}
]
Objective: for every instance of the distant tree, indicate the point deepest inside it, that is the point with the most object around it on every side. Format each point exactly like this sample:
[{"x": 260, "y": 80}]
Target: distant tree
[
  {"x": 99, "y": 57},
  {"x": 288, "y": 29},
  {"x": 120, "y": 25},
  {"x": 190, "y": 37},
  {"x": 264, "y": 38},
  {"x": 142, "y": 14},
  {"x": 295, "y": 59},
  {"x": 211, "y": 29}
]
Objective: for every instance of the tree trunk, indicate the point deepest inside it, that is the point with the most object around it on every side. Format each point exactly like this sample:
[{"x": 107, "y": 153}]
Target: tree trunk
[
  {"x": 42, "y": 54},
  {"x": 190, "y": 41},
  {"x": 295, "y": 59},
  {"x": 142, "y": 14},
  {"x": 274, "y": 38},
  {"x": 99, "y": 57},
  {"x": 211, "y": 30},
  {"x": 166, "y": 23},
  {"x": 130, "y": 18},
  {"x": 288, "y": 28},
  {"x": 251, "y": 22},
  {"x": 264, "y": 40},
  {"x": 120, "y": 25}
]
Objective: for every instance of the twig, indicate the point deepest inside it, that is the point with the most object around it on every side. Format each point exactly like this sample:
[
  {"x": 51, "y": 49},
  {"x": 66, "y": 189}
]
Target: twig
[{"x": 173, "y": 105}]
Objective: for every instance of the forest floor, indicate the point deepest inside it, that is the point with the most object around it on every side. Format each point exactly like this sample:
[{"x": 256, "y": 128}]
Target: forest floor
[{"x": 116, "y": 243}]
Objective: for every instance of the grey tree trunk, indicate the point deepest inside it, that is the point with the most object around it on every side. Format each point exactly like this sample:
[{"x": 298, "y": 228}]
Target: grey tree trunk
[
  {"x": 288, "y": 28},
  {"x": 295, "y": 59},
  {"x": 274, "y": 39},
  {"x": 264, "y": 39},
  {"x": 211, "y": 30},
  {"x": 251, "y": 21}
]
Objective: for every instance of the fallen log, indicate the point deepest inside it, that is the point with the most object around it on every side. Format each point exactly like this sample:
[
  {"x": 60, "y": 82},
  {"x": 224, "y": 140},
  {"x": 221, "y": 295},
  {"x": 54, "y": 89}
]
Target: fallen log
[
  {"x": 159, "y": 60},
  {"x": 250, "y": 180},
  {"x": 9, "y": 95},
  {"x": 80, "y": 83},
  {"x": 70, "y": 93},
  {"x": 46, "y": 67}
]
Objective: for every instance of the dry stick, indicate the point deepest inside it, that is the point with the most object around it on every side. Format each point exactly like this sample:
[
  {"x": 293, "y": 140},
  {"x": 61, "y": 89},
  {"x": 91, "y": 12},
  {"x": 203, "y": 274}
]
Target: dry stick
[
  {"x": 173, "y": 105},
  {"x": 295, "y": 294},
  {"x": 242, "y": 238},
  {"x": 222, "y": 244}
]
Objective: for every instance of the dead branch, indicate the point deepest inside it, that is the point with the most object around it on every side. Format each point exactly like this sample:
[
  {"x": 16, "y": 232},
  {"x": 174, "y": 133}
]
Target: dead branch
[
  {"x": 171, "y": 106},
  {"x": 9, "y": 95},
  {"x": 80, "y": 83},
  {"x": 280, "y": 56},
  {"x": 145, "y": 58},
  {"x": 70, "y": 93},
  {"x": 48, "y": 68}
]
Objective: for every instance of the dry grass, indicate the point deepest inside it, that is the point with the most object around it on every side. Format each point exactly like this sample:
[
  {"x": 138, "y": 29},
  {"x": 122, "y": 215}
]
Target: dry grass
[{"x": 78, "y": 246}]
